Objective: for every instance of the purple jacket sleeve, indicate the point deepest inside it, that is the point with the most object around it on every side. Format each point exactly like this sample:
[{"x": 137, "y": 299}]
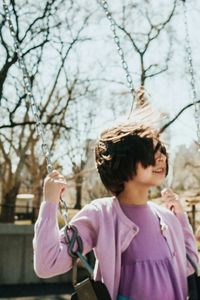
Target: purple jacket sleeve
[
  {"x": 190, "y": 242},
  {"x": 50, "y": 250}
]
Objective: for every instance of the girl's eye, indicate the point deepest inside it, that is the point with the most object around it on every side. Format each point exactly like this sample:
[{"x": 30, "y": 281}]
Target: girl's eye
[{"x": 163, "y": 150}]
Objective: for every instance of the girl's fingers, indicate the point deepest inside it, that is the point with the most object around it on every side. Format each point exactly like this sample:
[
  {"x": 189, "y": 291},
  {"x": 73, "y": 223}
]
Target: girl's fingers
[
  {"x": 170, "y": 198},
  {"x": 171, "y": 206},
  {"x": 170, "y": 203},
  {"x": 53, "y": 174},
  {"x": 168, "y": 195},
  {"x": 166, "y": 191},
  {"x": 62, "y": 191},
  {"x": 61, "y": 183}
]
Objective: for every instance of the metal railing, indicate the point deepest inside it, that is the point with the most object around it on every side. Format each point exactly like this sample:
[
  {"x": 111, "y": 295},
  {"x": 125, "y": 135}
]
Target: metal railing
[{"x": 22, "y": 212}]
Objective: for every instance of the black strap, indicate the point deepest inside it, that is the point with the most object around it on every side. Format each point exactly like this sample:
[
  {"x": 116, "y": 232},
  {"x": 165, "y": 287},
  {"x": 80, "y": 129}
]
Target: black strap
[
  {"x": 193, "y": 264},
  {"x": 72, "y": 239},
  {"x": 74, "y": 271}
]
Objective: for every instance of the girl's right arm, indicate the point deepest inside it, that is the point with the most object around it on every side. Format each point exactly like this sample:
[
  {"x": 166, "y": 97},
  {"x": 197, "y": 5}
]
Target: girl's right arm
[{"x": 50, "y": 250}]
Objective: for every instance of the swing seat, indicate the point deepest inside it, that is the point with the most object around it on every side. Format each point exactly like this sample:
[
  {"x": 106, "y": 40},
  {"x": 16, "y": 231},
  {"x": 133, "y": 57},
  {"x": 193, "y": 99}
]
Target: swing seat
[{"x": 89, "y": 289}]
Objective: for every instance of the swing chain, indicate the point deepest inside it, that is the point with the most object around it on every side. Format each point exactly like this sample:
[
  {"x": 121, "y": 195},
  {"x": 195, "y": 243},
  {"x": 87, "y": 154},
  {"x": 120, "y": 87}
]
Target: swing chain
[
  {"x": 35, "y": 110},
  {"x": 113, "y": 25},
  {"x": 192, "y": 76},
  {"x": 28, "y": 90}
]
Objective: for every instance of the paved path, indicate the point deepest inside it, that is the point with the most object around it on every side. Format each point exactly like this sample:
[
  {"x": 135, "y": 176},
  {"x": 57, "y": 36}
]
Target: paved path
[
  {"x": 55, "y": 297},
  {"x": 50, "y": 291}
]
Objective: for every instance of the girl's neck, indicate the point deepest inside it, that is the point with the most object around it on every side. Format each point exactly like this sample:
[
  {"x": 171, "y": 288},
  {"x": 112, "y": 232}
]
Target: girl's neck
[{"x": 133, "y": 195}]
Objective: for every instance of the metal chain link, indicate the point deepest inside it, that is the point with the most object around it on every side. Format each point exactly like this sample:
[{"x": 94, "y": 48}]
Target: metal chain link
[
  {"x": 36, "y": 113},
  {"x": 192, "y": 76},
  {"x": 28, "y": 90},
  {"x": 113, "y": 25}
]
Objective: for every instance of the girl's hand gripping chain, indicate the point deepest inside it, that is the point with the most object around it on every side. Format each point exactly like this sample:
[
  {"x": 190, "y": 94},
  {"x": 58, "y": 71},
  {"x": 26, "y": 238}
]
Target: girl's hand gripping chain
[
  {"x": 54, "y": 186},
  {"x": 172, "y": 201}
]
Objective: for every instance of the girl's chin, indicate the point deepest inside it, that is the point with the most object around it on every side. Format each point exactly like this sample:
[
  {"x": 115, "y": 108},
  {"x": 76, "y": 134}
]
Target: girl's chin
[{"x": 159, "y": 181}]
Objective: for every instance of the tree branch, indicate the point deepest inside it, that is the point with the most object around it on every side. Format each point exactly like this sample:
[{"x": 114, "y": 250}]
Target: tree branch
[
  {"x": 28, "y": 123},
  {"x": 176, "y": 117}
]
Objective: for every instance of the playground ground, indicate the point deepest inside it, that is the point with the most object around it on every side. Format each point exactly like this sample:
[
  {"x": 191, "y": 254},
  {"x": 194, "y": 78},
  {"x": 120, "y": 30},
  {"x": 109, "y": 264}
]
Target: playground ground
[
  {"x": 42, "y": 297},
  {"x": 56, "y": 297},
  {"x": 36, "y": 292}
]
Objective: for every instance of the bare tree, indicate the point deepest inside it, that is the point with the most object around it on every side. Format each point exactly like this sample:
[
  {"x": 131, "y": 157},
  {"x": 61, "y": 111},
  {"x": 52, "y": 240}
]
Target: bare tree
[
  {"x": 140, "y": 30},
  {"x": 39, "y": 31},
  {"x": 151, "y": 32},
  {"x": 50, "y": 40},
  {"x": 78, "y": 142},
  {"x": 170, "y": 122}
]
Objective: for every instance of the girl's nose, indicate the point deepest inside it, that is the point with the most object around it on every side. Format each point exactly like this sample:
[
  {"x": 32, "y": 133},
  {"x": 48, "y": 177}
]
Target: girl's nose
[{"x": 160, "y": 157}]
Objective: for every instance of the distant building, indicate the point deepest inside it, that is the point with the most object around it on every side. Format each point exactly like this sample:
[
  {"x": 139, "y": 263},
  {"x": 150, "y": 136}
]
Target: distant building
[
  {"x": 92, "y": 185},
  {"x": 186, "y": 168}
]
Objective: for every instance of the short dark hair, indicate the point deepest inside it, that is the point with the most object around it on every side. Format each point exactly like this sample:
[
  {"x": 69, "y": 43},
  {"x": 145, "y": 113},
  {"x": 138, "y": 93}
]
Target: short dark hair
[{"x": 120, "y": 148}]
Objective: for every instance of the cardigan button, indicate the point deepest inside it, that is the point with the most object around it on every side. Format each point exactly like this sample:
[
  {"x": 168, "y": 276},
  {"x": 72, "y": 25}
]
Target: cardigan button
[{"x": 163, "y": 227}]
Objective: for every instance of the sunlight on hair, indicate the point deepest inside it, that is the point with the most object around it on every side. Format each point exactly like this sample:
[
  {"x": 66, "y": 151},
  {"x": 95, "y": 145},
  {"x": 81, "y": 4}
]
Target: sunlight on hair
[{"x": 144, "y": 112}]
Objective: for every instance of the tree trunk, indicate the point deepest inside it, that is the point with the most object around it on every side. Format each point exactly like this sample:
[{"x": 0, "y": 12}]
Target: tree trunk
[
  {"x": 8, "y": 206},
  {"x": 38, "y": 192},
  {"x": 79, "y": 183}
]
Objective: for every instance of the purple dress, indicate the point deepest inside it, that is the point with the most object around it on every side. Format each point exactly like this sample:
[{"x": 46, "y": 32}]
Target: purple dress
[{"x": 147, "y": 270}]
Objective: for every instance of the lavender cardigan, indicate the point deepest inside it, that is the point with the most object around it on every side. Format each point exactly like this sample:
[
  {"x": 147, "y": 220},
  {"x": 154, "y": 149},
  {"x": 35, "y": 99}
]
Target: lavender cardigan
[{"x": 104, "y": 228}]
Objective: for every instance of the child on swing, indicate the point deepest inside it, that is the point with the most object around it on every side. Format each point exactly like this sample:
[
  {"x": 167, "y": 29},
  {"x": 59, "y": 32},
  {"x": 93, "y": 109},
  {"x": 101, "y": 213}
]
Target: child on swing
[{"x": 140, "y": 247}]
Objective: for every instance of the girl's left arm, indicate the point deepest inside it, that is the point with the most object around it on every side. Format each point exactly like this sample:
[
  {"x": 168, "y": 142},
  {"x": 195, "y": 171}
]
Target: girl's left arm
[{"x": 173, "y": 203}]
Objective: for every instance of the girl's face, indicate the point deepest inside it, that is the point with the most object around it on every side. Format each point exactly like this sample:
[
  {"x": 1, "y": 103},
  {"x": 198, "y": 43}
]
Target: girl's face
[{"x": 152, "y": 175}]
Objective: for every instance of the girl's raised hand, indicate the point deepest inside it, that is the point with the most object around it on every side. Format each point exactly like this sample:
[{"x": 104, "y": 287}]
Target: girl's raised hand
[
  {"x": 172, "y": 201},
  {"x": 54, "y": 186}
]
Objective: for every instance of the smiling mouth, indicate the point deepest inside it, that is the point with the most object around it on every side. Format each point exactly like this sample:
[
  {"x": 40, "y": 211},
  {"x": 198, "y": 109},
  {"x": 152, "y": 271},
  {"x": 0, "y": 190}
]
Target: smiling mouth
[{"x": 160, "y": 171}]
